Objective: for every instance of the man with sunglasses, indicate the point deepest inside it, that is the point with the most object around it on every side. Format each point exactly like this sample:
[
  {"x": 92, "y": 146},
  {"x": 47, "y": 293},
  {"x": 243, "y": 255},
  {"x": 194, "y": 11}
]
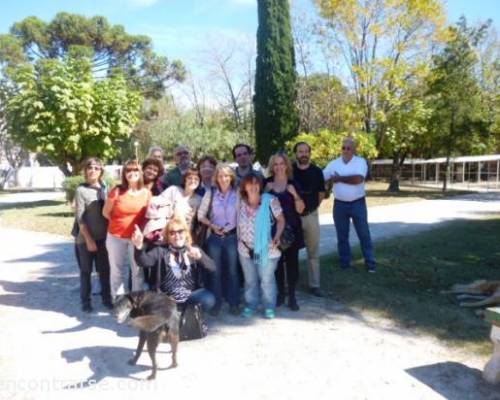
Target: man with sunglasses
[
  {"x": 182, "y": 157},
  {"x": 347, "y": 174}
]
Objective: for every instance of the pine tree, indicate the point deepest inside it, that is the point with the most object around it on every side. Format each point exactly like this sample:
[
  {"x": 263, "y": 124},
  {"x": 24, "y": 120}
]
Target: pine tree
[{"x": 276, "y": 115}]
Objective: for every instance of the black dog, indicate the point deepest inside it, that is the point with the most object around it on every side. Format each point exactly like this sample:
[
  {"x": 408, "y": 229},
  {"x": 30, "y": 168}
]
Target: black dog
[{"x": 155, "y": 315}]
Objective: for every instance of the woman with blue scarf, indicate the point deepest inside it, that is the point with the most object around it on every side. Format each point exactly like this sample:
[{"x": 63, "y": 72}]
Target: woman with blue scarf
[{"x": 257, "y": 248}]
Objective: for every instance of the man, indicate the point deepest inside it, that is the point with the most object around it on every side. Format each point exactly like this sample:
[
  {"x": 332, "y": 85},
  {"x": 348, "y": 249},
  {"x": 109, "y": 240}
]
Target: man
[
  {"x": 156, "y": 152},
  {"x": 182, "y": 157},
  {"x": 312, "y": 190},
  {"x": 348, "y": 173},
  {"x": 243, "y": 155}
]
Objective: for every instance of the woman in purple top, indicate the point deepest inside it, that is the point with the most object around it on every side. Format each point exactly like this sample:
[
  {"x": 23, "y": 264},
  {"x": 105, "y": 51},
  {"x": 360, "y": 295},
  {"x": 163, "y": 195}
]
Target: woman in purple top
[
  {"x": 218, "y": 211},
  {"x": 281, "y": 185}
]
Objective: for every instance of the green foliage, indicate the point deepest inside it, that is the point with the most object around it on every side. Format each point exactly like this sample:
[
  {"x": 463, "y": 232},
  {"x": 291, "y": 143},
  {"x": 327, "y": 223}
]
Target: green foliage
[
  {"x": 58, "y": 108},
  {"x": 109, "y": 47},
  {"x": 276, "y": 115},
  {"x": 70, "y": 184},
  {"x": 327, "y": 145}
]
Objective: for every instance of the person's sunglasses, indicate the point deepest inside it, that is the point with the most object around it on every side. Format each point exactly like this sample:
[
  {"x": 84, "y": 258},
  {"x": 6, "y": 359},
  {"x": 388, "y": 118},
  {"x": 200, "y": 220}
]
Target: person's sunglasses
[
  {"x": 346, "y": 148},
  {"x": 131, "y": 170},
  {"x": 182, "y": 153},
  {"x": 177, "y": 232},
  {"x": 93, "y": 168}
]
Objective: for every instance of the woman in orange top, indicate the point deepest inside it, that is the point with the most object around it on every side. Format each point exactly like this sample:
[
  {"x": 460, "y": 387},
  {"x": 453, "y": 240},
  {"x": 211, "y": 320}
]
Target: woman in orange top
[{"x": 125, "y": 207}]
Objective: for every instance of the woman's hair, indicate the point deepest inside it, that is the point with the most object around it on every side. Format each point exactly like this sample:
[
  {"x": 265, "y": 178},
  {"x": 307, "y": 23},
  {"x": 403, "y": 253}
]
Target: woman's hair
[
  {"x": 210, "y": 159},
  {"x": 92, "y": 161},
  {"x": 288, "y": 163},
  {"x": 224, "y": 168},
  {"x": 131, "y": 164},
  {"x": 247, "y": 179},
  {"x": 157, "y": 163},
  {"x": 175, "y": 224},
  {"x": 192, "y": 171}
]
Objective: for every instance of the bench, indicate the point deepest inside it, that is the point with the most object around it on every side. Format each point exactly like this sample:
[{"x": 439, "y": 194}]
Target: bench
[{"x": 491, "y": 371}]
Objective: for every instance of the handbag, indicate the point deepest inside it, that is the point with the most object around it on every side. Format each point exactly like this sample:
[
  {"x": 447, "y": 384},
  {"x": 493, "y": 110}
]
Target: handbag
[
  {"x": 192, "y": 325},
  {"x": 287, "y": 237},
  {"x": 200, "y": 231}
]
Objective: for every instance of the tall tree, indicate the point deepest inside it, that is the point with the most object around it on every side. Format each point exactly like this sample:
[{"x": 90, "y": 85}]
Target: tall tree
[
  {"x": 60, "y": 109},
  {"x": 276, "y": 115},
  {"x": 454, "y": 90},
  {"x": 109, "y": 47}
]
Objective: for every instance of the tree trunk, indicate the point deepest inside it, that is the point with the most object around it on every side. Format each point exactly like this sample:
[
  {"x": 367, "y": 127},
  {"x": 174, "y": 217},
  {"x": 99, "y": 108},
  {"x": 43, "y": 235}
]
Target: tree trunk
[{"x": 397, "y": 163}]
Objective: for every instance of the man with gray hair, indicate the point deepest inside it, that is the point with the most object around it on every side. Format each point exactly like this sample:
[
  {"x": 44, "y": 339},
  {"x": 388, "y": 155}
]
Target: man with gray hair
[
  {"x": 348, "y": 174},
  {"x": 182, "y": 157},
  {"x": 156, "y": 152}
]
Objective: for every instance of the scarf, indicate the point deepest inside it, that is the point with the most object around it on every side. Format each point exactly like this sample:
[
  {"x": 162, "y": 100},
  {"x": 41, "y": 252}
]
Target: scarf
[
  {"x": 178, "y": 260},
  {"x": 262, "y": 231}
]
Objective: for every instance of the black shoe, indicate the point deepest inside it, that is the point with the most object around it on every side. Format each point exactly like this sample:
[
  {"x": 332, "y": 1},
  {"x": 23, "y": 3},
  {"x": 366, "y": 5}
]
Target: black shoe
[
  {"x": 292, "y": 304},
  {"x": 86, "y": 308},
  {"x": 316, "y": 291},
  {"x": 108, "y": 304},
  {"x": 372, "y": 268},
  {"x": 234, "y": 310},
  {"x": 280, "y": 299}
]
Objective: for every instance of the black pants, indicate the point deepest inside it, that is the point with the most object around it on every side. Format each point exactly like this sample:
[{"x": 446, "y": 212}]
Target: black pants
[
  {"x": 289, "y": 263},
  {"x": 86, "y": 263}
]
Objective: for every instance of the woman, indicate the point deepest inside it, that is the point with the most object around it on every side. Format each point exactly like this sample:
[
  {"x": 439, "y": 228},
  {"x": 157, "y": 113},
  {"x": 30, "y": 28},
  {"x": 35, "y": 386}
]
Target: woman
[
  {"x": 218, "y": 212},
  {"x": 153, "y": 169},
  {"x": 257, "y": 248},
  {"x": 125, "y": 208},
  {"x": 180, "y": 274},
  {"x": 281, "y": 185},
  {"x": 90, "y": 242},
  {"x": 206, "y": 165},
  {"x": 184, "y": 201}
]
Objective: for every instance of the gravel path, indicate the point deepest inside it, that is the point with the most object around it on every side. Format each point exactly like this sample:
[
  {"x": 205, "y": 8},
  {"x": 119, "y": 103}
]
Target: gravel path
[{"x": 49, "y": 349}]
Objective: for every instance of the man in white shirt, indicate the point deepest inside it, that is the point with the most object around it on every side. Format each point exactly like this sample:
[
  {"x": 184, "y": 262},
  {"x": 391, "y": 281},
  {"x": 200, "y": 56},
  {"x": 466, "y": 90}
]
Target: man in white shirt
[{"x": 348, "y": 173}]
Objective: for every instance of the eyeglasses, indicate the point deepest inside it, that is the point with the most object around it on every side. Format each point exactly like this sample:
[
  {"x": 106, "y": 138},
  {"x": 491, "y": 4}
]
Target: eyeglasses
[
  {"x": 178, "y": 232},
  {"x": 182, "y": 153},
  {"x": 346, "y": 148},
  {"x": 128, "y": 170},
  {"x": 93, "y": 168}
]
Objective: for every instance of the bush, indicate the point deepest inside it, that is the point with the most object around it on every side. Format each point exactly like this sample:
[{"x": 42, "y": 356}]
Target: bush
[{"x": 72, "y": 182}]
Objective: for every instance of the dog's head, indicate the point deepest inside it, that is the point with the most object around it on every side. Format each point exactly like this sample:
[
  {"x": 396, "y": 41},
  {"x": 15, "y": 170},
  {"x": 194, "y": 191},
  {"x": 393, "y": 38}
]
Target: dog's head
[{"x": 122, "y": 308}]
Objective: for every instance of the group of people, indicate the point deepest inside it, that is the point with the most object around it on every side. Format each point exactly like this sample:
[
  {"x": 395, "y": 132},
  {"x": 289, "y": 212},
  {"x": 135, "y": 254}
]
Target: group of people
[{"x": 199, "y": 231}]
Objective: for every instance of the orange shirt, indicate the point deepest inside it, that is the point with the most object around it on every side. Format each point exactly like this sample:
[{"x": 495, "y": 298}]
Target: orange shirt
[{"x": 128, "y": 210}]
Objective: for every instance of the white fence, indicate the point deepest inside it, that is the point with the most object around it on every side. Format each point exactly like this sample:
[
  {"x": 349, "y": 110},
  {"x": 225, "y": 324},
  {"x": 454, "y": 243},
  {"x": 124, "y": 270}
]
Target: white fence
[{"x": 43, "y": 177}]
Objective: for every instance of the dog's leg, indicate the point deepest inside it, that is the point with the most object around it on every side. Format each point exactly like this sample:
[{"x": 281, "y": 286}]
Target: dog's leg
[
  {"x": 173, "y": 338},
  {"x": 153, "y": 339},
  {"x": 140, "y": 346}
]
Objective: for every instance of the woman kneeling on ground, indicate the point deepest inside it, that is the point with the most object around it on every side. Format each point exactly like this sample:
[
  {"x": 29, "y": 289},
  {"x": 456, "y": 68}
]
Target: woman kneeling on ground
[
  {"x": 257, "y": 248},
  {"x": 180, "y": 272}
]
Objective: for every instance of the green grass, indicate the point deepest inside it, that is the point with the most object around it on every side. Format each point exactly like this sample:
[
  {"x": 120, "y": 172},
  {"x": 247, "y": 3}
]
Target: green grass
[
  {"x": 413, "y": 270},
  {"x": 377, "y": 195},
  {"x": 42, "y": 216}
]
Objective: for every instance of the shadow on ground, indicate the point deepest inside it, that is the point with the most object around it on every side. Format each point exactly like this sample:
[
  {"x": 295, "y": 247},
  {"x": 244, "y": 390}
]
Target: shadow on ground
[{"x": 455, "y": 381}]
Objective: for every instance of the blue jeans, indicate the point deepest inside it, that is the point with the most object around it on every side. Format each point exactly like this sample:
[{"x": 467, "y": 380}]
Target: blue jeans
[
  {"x": 202, "y": 296},
  {"x": 356, "y": 210},
  {"x": 223, "y": 250},
  {"x": 253, "y": 274}
]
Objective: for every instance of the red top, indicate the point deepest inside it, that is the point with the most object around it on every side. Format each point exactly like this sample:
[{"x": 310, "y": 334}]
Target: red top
[{"x": 128, "y": 210}]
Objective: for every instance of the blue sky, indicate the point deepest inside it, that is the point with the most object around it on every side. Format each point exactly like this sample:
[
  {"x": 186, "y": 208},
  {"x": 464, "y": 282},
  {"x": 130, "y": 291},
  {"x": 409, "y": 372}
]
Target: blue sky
[{"x": 180, "y": 28}]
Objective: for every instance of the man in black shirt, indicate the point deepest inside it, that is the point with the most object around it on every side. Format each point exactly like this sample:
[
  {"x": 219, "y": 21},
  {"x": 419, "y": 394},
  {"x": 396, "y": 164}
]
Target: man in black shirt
[{"x": 312, "y": 191}]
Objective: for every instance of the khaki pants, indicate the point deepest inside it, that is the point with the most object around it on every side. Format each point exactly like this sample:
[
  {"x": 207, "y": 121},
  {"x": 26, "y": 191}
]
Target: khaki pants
[{"x": 310, "y": 227}]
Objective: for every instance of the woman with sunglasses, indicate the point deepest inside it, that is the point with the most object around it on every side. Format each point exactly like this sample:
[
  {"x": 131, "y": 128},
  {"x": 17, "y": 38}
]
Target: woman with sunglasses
[
  {"x": 92, "y": 227},
  {"x": 125, "y": 208},
  {"x": 180, "y": 264}
]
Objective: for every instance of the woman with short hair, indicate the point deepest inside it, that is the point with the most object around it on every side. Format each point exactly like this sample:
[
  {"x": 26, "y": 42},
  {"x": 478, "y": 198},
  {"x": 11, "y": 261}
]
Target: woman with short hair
[
  {"x": 153, "y": 169},
  {"x": 91, "y": 238},
  {"x": 125, "y": 208},
  {"x": 218, "y": 212}
]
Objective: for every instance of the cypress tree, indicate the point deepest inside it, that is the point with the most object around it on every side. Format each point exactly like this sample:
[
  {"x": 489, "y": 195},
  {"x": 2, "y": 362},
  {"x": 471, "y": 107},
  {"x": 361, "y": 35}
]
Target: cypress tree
[{"x": 276, "y": 114}]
